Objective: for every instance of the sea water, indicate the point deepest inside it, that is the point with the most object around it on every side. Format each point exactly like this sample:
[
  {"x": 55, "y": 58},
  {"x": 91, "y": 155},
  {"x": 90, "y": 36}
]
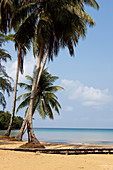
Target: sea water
[{"x": 71, "y": 135}]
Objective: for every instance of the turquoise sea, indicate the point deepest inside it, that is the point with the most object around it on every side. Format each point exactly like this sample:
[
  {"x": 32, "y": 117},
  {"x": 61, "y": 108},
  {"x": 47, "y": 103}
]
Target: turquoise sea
[{"x": 71, "y": 135}]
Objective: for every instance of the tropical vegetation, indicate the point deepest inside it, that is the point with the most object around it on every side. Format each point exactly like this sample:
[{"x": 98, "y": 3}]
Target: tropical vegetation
[
  {"x": 45, "y": 98},
  {"x": 5, "y": 119},
  {"x": 45, "y": 101},
  {"x": 5, "y": 79},
  {"x": 53, "y": 24}
]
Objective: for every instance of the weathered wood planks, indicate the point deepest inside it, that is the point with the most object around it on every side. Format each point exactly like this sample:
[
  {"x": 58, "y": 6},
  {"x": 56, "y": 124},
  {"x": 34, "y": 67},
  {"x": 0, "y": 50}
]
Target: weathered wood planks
[{"x": 65, "y": 151}]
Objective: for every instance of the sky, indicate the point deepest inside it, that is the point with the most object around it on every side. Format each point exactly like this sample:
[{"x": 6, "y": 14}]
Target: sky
[{"x": 87, "y": 78}]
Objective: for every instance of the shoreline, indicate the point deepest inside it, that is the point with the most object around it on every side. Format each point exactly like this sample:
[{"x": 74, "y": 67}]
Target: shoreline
[
  {"x": 9, "y": 143},
  {"x": 74, "y": 136}
]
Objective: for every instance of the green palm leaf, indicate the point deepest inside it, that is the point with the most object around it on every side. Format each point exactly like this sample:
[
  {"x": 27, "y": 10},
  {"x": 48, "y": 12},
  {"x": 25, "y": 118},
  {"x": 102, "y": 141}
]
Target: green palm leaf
[
  {"x": 24, "y": 103},
  {"x": 5, "y": 79},
  {"x": 45, "y": 100}
]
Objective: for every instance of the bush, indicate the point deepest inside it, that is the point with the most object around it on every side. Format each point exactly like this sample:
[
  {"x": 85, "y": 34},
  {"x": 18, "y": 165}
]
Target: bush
[{"x": 5, "y": 119}]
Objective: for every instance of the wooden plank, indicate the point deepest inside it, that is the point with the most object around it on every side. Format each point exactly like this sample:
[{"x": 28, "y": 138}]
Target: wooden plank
[{"x": 65, "y": 151}]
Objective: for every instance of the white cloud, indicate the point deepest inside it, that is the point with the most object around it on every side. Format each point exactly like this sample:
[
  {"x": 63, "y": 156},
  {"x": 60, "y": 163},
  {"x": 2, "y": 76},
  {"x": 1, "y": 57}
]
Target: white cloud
[
  {"x": 11, "y": 68},
  {"x": 88, "y": 96},
  {"x": 29, "y": 63},
  {"x": 69, "y": 108}
]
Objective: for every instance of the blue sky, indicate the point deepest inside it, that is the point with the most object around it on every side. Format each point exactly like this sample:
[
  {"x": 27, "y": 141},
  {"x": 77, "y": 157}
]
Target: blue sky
[{"x": 87, "y": 101}]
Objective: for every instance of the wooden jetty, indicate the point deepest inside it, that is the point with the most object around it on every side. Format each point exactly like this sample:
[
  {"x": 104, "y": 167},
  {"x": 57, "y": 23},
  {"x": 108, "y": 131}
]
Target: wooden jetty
[{"x": 65, "y": 151}]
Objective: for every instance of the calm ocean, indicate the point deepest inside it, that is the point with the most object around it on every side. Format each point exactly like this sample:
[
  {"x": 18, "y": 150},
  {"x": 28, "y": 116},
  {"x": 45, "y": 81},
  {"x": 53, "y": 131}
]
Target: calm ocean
[{"x": 71, "y": 135}]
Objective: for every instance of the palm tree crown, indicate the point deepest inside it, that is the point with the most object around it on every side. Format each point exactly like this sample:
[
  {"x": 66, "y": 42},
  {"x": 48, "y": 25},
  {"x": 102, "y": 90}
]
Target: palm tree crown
[
  {"x": 45, "y": 99},
  {"x": 52, "y": 24}
]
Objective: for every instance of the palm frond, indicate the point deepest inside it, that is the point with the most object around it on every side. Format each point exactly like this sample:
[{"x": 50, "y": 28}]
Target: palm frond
[
  {"x": 24, "y": 96},
  {"x": 29, "y": 78},
  {"x": 82, "y": 14},
  {"x": 25, "y": 86},
  {"x": 48, "y": 110},
  {"x": 92, "y": 3},
  {"x": 54, "y": 88},
  {"x": 23, "y": 104},
  {"x": 45, "y": 101},
  {"x": 28, "y": 22},
  {"x": 41, "y": 110},
  {"x": 2, "y": 100}
]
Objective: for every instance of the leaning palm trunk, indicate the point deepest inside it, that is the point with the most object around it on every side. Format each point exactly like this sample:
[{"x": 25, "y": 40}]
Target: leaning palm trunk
[
  {"x": 31, "y": 135},
  {"x": 32, "y": 115},
  {"x": 28, "y": 118},
  {"x": 7, "y": 133},
  {"x": 21, "y": 132}
]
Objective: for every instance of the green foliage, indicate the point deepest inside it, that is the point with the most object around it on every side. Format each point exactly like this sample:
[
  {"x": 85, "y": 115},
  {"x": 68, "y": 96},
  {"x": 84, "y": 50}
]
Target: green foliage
[
  {"x": 45, "y": 100},
  {"x": 55, "y": 23},
  {"x": 5, "y": 86},
  {"x": 4, "y": 55},
  {"x": 5, "y": 80},
  {"x": 5, "y": 119},
  {"x": 52, "y": 24}
]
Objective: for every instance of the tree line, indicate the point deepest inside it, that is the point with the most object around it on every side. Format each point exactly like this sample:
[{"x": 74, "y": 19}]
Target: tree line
[
  {"x": 47, "y": 26},
  {"x": 5, "y": 119}
]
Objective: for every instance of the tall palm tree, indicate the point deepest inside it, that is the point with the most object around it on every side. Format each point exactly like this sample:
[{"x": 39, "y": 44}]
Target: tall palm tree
[
  {"x": 7, "y": 8},
  {"x": 53, "y": 24},
  {"x": 54, "y": 15},
  {"x": 7, "y": 133},
  {"x": 45, "y": 99}
]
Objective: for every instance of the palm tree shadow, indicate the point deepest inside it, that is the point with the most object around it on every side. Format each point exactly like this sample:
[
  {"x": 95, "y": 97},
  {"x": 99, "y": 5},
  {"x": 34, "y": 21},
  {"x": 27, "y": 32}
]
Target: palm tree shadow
[{"x": 7, "y": 141}]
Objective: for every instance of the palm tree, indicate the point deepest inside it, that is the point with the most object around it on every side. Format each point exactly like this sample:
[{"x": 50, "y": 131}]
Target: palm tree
[
  {"x": 52, "y": 24},
  {"x": 52, "y": 32},
  {"x": 5, "y": 80},
  {"x": 4, "y": 55},
  {"x": 7, "y": 8},
  {"x": 5, "y": 85},
  {"x": 45, "y": 99}
]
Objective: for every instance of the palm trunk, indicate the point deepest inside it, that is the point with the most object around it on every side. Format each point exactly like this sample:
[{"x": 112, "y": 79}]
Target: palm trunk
[
  {"x": 32, "y": 115},
  {"x": 7, "y": 133},
  {"x": 31, "y": 135},
  {"x": 43, "y": 65},
  {"x": 21, "y": 132},
  {"x": 23, "y": 127},
  {"x": 28, "y": 118}
]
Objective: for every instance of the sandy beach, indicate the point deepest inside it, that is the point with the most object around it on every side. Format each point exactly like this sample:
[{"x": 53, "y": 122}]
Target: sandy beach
[{"x": 17, "y": 160}]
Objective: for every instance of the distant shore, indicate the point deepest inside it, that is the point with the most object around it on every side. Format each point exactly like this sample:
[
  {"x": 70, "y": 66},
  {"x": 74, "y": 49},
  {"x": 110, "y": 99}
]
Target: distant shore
[{"x": 10, "y": 160}]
